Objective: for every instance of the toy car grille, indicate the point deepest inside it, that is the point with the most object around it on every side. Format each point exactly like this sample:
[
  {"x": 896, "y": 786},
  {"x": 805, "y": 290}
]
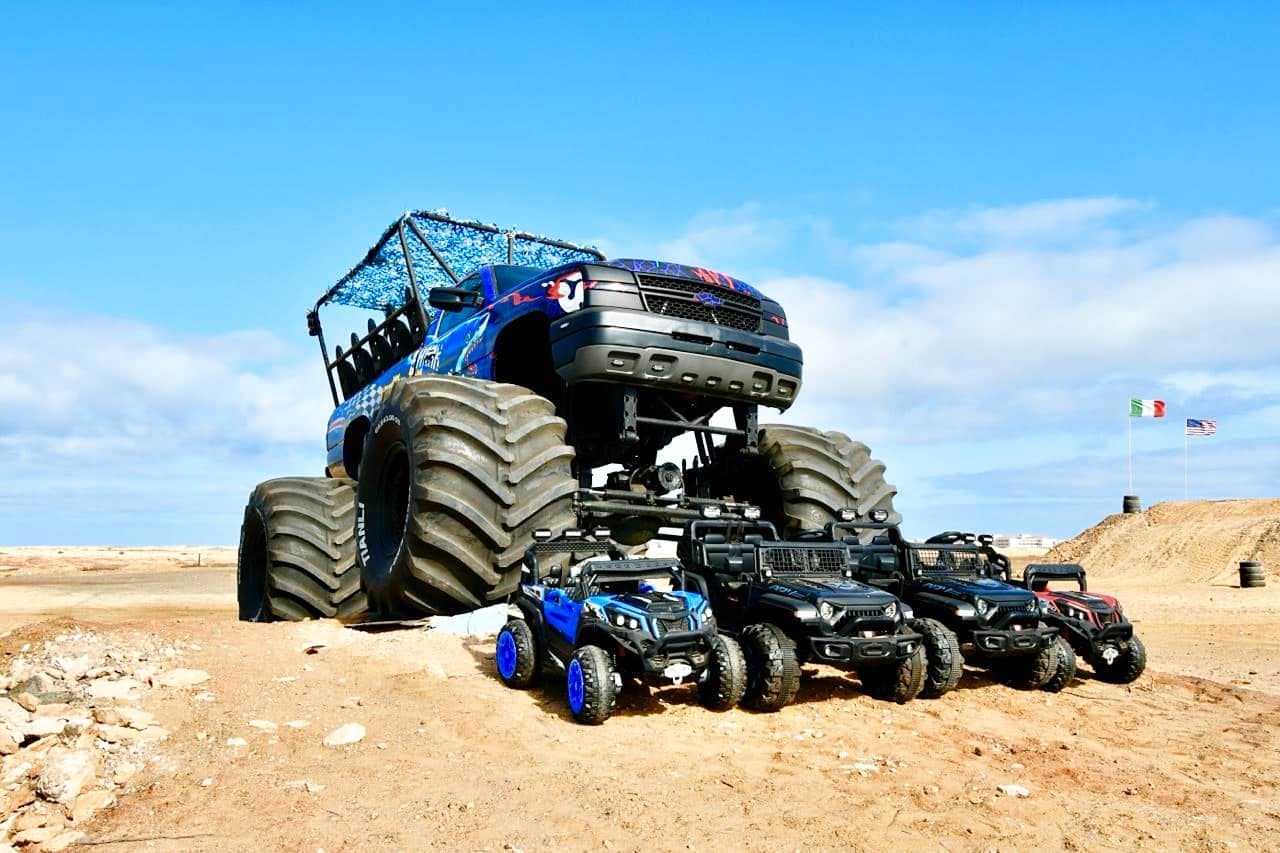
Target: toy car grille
[
  {"x": 666, "y": 626},
  {"x": 1008, "y": 611},
  {"x": 694, "y": 300},
  {"x": 949, "y": 562},
  {"x": 790, "y": 560}
]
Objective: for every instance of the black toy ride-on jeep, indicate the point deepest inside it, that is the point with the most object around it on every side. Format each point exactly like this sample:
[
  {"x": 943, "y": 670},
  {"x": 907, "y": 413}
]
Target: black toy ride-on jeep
[
  {"x": 960, "y": 606},
  {"x": 1093, "y": 624},
  {"x": 602, "y": 620},
  {"x": 793, "y": 602}
]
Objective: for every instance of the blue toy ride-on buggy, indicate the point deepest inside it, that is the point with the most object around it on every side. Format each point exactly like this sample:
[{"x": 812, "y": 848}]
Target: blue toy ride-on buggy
[{"x": 610, "y": 618}]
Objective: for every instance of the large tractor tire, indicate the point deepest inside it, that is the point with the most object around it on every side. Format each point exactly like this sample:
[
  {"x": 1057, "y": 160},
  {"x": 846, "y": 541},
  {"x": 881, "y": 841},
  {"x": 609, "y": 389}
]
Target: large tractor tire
[
  {"x": 457, "y": 474},
  {"x": 297, "y": 555},
  {"x": 816, "y": 474}
]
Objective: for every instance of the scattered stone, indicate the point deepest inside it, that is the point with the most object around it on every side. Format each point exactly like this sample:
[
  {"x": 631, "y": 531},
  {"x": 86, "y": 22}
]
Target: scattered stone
[
  {"x": 1013, "y": 790},
  {"x": 43, "y": 726},
  {"x": 237, "y": 741},
  {"x": 352, "y": 702},
  {"x": 125, "y": 771},
  {"x": 38, "y": 817},
  {"x": 206, "y": 782},
  {"x": 8, "y": 746},
  {"x": 136, "y": 719},
  {"x": 105, "y": 688},
  {"x": 16, "y": 772},
  {"x": 39, "y": 835},
  {"x": 204, "y": 697},
  {"x": 90, "y": 802},
  {"x": 931, "y": 789},
  {"x": 263, "y": 725},
  {"x": 108, "y": 716},
  {"x": 116, "y": 734},
  {"x": 344, "y": 735},
  {"x": 63, "y": 840},
  {"x": 65, "y": 773},
  {"x": 180, "y": 677},
  {"x": 304, "y": 785},
  {"x": 298, "y": 724},
  {"x": 23, "y": 795},
  {"x": 25, "y": 701}
]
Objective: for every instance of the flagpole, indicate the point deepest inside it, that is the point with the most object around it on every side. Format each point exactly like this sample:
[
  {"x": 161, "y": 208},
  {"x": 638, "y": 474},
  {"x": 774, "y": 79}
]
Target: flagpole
[
  {"x": 1184, "y": 461},
  {"x": 1130, "y": 422}
]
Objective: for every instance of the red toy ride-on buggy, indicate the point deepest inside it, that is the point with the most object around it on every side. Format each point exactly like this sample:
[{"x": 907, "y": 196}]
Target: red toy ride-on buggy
[{"x": 1094, "y": 624}]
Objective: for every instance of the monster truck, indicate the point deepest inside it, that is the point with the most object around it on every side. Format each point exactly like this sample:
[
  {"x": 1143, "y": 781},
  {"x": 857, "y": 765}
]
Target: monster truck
[
  {"x": 794, "y": 602},
  {"x": 1093, "y": 624},
  {"x": 604, "y": 620},
  {"x": 508, "y": 383},
  {"x": 960, "y": 605}
]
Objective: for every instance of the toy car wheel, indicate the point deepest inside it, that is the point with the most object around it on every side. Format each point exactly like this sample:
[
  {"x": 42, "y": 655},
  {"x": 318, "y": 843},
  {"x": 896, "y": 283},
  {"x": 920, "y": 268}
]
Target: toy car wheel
[
  {"x": 900, "y": 682},
  {"x": 1066, "y": 669},
  {"x": 1126, "y": 668},
  {"x": 1030, "y": 672},
  {"x": 773, "y": 673},
  {"x": 724, "y": 681},
  {"x": 517, "y": 656},
  {"x": 943, "y": 662},
  {"x": 589, "y": 684}
]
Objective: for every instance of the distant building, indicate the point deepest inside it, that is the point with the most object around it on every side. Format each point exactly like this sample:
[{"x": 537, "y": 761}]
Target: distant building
[{"x": 1023, "y": 540}]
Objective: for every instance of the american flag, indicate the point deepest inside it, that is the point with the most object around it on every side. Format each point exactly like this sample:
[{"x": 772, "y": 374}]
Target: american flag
[{"x": 1201, "y": 427}]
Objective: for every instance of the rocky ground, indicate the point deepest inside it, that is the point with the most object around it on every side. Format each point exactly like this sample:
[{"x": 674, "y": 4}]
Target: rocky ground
[{"x": 128, "y": 727}]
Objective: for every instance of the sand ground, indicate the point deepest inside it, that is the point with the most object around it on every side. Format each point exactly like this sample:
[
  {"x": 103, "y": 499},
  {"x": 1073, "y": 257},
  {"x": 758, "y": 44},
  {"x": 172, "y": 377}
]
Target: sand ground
[{"x": 1185, "y": 758}]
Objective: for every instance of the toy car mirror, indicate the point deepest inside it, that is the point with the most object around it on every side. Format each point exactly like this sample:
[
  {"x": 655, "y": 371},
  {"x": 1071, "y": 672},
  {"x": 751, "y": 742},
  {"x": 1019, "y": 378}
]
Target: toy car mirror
[{"x": 454, "y": 298}]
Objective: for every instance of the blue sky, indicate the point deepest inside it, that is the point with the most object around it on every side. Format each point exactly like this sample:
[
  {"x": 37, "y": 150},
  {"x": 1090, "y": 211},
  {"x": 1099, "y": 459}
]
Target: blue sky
[{"x": 991, "y": 227}]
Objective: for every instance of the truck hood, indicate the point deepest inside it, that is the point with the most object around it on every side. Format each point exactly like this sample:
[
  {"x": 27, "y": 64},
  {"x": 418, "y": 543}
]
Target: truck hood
[
  {"x": 706, "y": 276},
  {"x": 837, "y": 591},
  {"x": 970, "y": 589}
]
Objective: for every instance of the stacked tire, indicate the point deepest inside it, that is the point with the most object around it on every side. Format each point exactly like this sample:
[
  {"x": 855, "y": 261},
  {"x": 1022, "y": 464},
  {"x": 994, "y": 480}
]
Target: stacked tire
[{"x": 1252, "y": 574}]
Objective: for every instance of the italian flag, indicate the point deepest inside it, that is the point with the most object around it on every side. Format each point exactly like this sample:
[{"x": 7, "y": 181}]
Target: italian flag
[{"x": 1146, "y": 408}]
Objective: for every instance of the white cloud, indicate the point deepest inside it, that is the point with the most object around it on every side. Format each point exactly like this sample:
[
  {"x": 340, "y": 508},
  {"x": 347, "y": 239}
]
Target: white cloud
[
  {"x": 725, "y": 235},
  {"x": 1055, "y": 218}
]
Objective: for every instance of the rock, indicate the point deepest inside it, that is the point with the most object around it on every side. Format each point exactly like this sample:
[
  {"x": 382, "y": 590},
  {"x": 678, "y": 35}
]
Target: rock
[
  {"x": 298, "y": 724},
  {"x": 304, "y": 785},
  {"x": 8, "y": 746},
  {"x": 23, "y": 795},
  {"x": 44, "y": 726},
  {"x": 344, "y": 735},
  {"x": 38, "y": 817},
  {"x": 73, "y": 667},
  {"x": 65, "y": 773},
  {"x": 205, "y": 697},
  {"x": 262, "y": 725},
  {"x": 39, "y": 835},
  {"x": 63, "y": 840},
  {"x": 125, "y": 771},
  {"x": 136, "y": 719},
  {"x": 12, "y": 715},
  {"x": 117, "y": 734},
  {"x": 108, "y": 717},
  {"x": 90, "y": 802},
  {"x": 41, "y": 682},
  {"x": 16, "y": 772},
  {"x": 237, "y": 741},
  {"x": 105, "y": 688},
  {"x": 1013, "y": 790},
  {"x": 206, "y": 782},
  {"x": 180, "y": 678},
  {"x": 25, "y": 701}
]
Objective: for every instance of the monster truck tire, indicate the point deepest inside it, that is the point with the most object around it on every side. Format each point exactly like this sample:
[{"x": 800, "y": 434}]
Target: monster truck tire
[
  {"x": 1066, "y": 668},
  {"x": 517, "y": 655},
  {"x": 456, "y": 475},
  {"x": 1030, "y": 672},
  {"x": 297, "y": 555},
  {"x": 944, "y": 663},
  {"x": 818, "y": 474},
  {"x": 590, "y": 687},
  {"x": 900, "y": 682},
  {"x": 773, "y": 672},
  {"x": 1126, "y": 668},
  {"x": 724, "y": 681}
]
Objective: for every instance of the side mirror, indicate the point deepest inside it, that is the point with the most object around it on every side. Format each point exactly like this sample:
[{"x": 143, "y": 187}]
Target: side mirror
[{"x": 454, "y": 298}]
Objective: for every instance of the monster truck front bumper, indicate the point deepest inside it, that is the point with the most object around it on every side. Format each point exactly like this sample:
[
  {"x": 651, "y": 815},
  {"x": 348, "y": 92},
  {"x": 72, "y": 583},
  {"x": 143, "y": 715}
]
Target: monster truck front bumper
[
  {"x": 994, "y": 643},
  {"x": 655, "y": 350},
  {"x": 839, "y": 650}
]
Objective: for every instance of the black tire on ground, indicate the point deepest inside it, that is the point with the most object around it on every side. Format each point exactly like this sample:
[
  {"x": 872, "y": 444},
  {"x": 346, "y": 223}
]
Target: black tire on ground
[
  {"x": 944, "y": 663},
  {"x": 1030, "y": 672},
  {"x": 1126, "y": 668},
  {"x": 724, "y": 681},
  {"x": 518, "y": 655},
  {"x": 815, "y": 475},
  {"x": 598, "y": 689},
  {"x": 773, "y": 673},
  {"x": 900, "y": 682},
  {"x": 297, "y": 552},
  {"x": 1066, "y": 667},
  {"x": 456, "y": 475}
]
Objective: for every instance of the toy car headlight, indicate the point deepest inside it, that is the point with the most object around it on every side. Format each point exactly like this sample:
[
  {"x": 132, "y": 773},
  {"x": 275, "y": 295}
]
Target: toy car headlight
[
  {"x": 982, "y": 606},
  {"x": 751, "y": 513},
  {"x": 828, "y": 611},
  {"x": 891, "y": 609},
  {"x": 708, "y": 618},
  {"x": 1044, "y": 605}
]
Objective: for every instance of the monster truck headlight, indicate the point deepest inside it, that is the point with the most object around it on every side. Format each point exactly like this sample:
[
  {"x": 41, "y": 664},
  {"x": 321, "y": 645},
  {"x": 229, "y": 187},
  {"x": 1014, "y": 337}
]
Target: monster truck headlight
[
  {"x": 891, "y": 609},
  {"x": 982, "y": 607},
  {"x": 829, "y": 612}
]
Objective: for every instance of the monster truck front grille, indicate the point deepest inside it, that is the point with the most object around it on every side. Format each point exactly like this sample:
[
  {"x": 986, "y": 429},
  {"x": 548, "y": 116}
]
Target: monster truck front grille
[
  {"x": 791, "y": 560},
  {"x": 695, "y": 300},
  {"x": 662, "y": 627}
]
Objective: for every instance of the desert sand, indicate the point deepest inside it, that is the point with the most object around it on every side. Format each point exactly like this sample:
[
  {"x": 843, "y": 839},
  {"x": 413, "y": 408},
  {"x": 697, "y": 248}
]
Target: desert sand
[{"x": 1185, "y": 758}]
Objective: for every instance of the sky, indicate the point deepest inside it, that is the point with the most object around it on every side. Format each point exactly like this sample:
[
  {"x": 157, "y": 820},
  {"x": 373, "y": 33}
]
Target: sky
[{"x": 990, "y": 226}]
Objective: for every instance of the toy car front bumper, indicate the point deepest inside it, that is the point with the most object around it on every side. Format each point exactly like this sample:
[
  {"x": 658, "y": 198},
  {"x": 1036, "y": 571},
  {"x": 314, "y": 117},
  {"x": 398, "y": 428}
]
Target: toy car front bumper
[
  {"x": 997, "y": 643},
  {"x": 640, "y": 348},
  {"x": 860, "y": 651},
  {"x": 654, "y": 656}
]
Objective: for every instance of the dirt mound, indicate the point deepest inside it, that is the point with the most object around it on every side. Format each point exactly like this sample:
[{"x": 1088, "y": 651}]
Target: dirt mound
[{"x": 1180, "y": 542}]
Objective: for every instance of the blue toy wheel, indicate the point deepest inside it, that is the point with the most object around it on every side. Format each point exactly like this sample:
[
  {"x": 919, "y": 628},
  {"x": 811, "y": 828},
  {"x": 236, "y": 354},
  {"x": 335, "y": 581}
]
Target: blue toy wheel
[
  {"x": 507, "y": 655},
  {"x": 577, "y": 689}
]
